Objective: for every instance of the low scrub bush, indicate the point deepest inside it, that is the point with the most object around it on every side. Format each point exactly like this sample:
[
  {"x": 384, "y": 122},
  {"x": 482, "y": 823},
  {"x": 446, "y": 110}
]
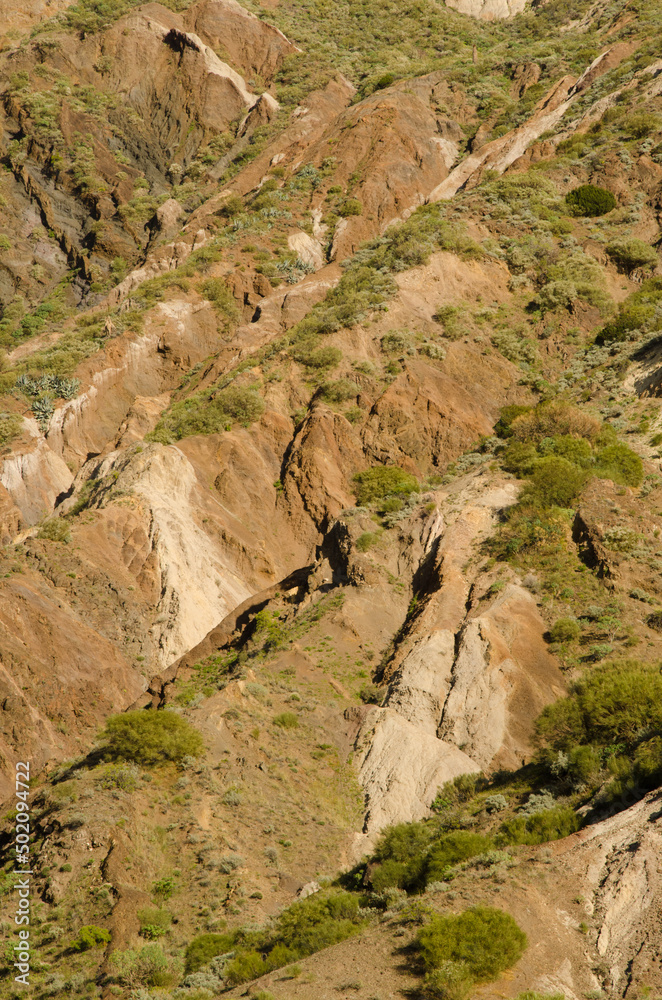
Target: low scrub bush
[
  {"x": 412, "y": 855},
  {"x": 287, "y": 720},
  {"x": 640, "y": 312},
  {"x": 89, "y": 937},
  {"x": 339, "y": 391},
  {"x": 450, "y": 850},
  {"x": 557, "y": 447},
  {"x": 154, "y": 922},
  {"x": 541, "y": 827},
  {"x": 503, "y": 426},
  {"x": 554, "y": 419},
  {"x": 451, "y": 981},
  {"x": 222, "y": 299},
  {"x": 149, "y": 966},
  {"x": 10, "y": 426},
  {"x": 309, "y": 925},
  {"x": 56, "y": 529},
  {"x": 631, "y": 254},
  {"x": 382, "y": 481},
  {"x": 205, "y": 947},
  {"x": 121, "y": 776},
  {"x": 366, "y": 541},
  {"x": 620, "y": 464},
  {"x": 590, "y": 201},
  {"x": 351, "y": 206},
  {"x": 151, "y": 737},
  {"x": 485, "y": 940},
  {"x": 612, "y": 704},
  {"x": 209, "y": 413},
  {"x": 311, "y": 355},
  {"x": 565, "y": 630},
  {"x": 554, "y": 482}
]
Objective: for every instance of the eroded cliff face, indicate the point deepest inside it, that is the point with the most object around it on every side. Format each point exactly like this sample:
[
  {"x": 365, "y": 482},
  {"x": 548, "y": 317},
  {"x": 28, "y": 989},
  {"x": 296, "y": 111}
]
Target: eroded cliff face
[{"x": 203, "y": 358}]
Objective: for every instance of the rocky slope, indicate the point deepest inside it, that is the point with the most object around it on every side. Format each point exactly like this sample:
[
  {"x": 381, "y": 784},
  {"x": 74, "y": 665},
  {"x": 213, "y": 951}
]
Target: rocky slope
[{"x": 251, "y": 257}]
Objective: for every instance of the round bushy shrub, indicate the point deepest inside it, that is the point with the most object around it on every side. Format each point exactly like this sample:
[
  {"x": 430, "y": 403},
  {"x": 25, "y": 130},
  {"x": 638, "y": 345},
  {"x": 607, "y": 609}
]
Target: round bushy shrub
[
  {"x": 352, "y": 206},
  {"x": 149, "y": 737},
  {"x": 286, "y": 720},
  {"x": 620, "y": 464},
  {"x": 555, "y": 482},
  {"x": 565, "y": 630},
  {"x": 382, "y": 481},
  {"x": 486, "y": 940},
  {"x": 590, "y": 201},
  {"x": 89, "y": 937}
]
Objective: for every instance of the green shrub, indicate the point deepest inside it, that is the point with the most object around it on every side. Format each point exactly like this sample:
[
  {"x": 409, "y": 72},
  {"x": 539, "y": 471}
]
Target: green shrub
[
  {"x": 382, "y": 481},
  {"x": 576, "y": 450},
  {"x": 632, "y": 317},
  {"x": 411, "y": 855},
  {"x": 611, "y": 704},
  {"x": 149, "y": 966},
  {"x": 205, "y": 413},
  {"x": 203, "y": 948},
  {"x": 164, "y": 887},
  {"x": 486, "y": 940},
  {"x": 223, "y": 301},
  {"x": 620, "y": 464},
  {"x": 451, "y": 981},
  {"x": 451, "y": 849},
  {"x": 565, "y": 630},
  {"x": 654, "y": 620},
  {"x": 520, "y": 458},
  {"x": 339, "y": 391},
  {"x": 307, "y": 353},
  {"x": 309, "y": 925},
  {"x": 351, "y": 206},
  {"x": 286, "y": 720},
  {"x": 150, "y": 737},
  {"x": 154, "y": 922},
  {"x": 120, "y": 776},
  {"x": 89, "y": 937},
  {"x": 640, "y": 125},
  {"x": 557, "y": 295},
  {"x": 371, "y": 694},
  {"x": 589, "y": 200},
  {"x": 366, "y": 541},
  {"x": 55, "y": 530},
  {"x": 554, "y": 419},
  {"x": 630, "y": 254},
  {"x": 10, "y": 426},
  {"x": 402, "y": 841},
  {"x": 555, "y": 482},
  {"x": 502, "y": 427},
  {"x": 550, "y": 824}
]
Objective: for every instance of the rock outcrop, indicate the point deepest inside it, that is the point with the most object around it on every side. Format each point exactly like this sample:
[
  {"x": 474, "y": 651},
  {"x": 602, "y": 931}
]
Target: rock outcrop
[{"x": 488, "y": 10}]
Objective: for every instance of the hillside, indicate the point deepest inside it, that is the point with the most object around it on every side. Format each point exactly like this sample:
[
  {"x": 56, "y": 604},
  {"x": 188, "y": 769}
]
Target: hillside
[{"x": 330, "y": 497}]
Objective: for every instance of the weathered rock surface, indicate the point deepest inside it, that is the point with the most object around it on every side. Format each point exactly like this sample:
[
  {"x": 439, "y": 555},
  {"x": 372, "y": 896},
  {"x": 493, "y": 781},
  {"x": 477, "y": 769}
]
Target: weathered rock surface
[
  {"x": 401, "y": 768},
  {"x": 488, "y": 10}
]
